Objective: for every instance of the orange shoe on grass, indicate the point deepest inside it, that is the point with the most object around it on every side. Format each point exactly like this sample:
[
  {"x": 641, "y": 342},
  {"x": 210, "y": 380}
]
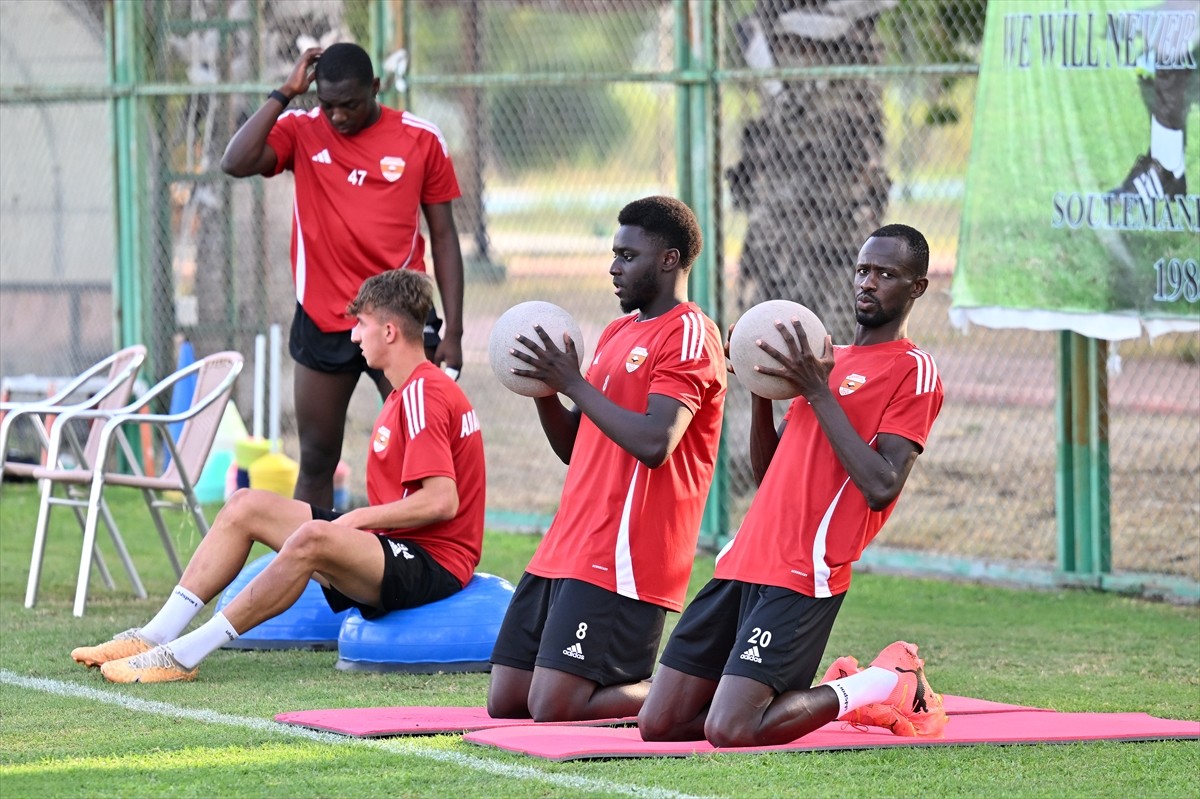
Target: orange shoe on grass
[
  {"x": 913, "y": 709},
  {"x": 122, "y": 645},
  {"x": 156, "y": 665}
]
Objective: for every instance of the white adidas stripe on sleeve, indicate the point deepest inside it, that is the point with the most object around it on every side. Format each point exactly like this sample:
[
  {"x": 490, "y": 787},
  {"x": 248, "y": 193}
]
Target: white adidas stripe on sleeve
[
  {"x": 927, "y": 374},
  {"x": 425, "y": 124},
  {"x": 414, "y": 407},
  {"x": 693, "y": 336}
]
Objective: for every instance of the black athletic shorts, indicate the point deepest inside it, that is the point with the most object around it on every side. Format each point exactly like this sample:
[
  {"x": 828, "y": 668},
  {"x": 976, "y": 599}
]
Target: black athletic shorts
[
  {"x": 411, "y": 577},
  {"x": 579, "y": 628},
  {"x": 772, "y": 635},
  {"x": 335, "y": 353}
]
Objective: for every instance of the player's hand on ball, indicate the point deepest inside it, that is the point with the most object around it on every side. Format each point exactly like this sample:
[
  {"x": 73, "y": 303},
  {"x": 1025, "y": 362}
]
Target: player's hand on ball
[
  {"x": 799, "y": 366},
  {"x": 728, "y": 338},
  {"x": 554, "y": 363},
  {"x": 771, "y": 350},
  {"x": 535, "y": 327}
]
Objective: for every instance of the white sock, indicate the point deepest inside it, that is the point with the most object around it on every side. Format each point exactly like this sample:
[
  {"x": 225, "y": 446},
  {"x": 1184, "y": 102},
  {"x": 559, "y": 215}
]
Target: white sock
[
  {"x": 181, "y": 607},
  {"x": 203, "y": 641},
  {"x": 1166, "y": 147},
  {"x": 867, "y": 687}
]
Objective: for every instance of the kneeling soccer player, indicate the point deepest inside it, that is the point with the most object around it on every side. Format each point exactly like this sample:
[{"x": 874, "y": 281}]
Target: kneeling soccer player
[{"x": 738, "y": 669}]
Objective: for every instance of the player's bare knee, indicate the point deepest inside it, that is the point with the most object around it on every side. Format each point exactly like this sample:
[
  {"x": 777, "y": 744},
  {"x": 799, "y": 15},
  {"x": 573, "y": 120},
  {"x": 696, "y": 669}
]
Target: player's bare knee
[
  {"x": 554, "y": 706},
  {"x": 318, "y": 456},
  {"x": 307, "y": 544},
  {"x": 655, "y": 726},
  {"x": 552, "y": 711},
  {"x": 501, "y": 705},
  {"x": 241, "y": 506},
  {"x": 730, "y": 731},
  {"x": 317, "y": 468}
]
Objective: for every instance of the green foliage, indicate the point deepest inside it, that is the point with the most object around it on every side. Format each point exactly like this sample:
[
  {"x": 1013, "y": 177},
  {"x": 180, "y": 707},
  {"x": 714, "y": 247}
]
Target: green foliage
[
  {"x": 537, "y": 125},
  {"x": 356, "y": 16},
  {"x": 934, "y": 31},
  {"x": 544, "y": 126}
]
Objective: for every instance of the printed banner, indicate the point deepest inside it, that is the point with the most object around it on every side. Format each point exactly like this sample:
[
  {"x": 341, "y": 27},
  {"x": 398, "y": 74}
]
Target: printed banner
[{"x": 1078, "y": 213}]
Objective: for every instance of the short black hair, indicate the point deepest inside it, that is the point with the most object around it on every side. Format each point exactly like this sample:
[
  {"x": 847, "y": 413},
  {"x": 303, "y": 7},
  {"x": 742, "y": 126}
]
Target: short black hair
[
  {"x": 345, "y": 61},
  {"x": 668, "y": 219},
  {"x": 918, "y": 247},
  {"x": 403, "y": 295}
]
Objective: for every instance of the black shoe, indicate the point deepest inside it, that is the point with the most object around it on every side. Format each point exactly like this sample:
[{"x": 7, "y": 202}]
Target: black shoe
[{"x": 1150, "y": 181}]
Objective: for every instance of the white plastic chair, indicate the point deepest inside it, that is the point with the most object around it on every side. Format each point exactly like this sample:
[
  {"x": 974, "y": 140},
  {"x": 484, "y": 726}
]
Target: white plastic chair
[
  {"x": 118, "y": 371},
  {"x": 116, "y": 374},
  {"x": 215, "y": 378}
]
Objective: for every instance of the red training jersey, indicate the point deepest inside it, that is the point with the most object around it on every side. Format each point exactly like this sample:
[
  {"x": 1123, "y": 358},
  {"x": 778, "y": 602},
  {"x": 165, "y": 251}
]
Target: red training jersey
[
  {"x": 620, "y": 525},
  {"x": 808, "y": 522},
  {"x": 427, "y": 428},
  {"x": 357, "y": 202}
]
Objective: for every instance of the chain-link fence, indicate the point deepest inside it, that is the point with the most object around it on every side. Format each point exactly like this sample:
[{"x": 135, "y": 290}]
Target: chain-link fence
[{"x": 823, "y": 120}]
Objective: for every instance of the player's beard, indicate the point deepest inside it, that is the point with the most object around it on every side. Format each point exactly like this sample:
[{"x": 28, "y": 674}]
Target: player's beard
[
  {"x": 639, "y": 293},
  {"x": 879, "y": 317}
]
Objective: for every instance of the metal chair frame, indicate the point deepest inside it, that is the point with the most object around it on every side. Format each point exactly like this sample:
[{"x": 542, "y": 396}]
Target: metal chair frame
[{"x": 216, "y": 375}]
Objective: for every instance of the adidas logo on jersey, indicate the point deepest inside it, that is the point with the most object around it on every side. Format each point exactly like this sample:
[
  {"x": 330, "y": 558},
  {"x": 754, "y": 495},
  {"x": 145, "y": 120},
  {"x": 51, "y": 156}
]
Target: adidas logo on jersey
[
  {"x": 323, "y": 157},
  {"x": 752, "y": 655},
  {"x": 574, "y": 651}
]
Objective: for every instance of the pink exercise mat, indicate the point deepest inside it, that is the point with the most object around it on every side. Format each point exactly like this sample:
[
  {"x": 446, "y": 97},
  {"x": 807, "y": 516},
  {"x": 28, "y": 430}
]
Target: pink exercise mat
[
  {"x": 1004, "y": 727},
  {"x": 379, "y": 722}
]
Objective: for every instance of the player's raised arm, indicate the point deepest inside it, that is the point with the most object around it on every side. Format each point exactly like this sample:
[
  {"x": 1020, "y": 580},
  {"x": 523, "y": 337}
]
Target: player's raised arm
[{"x": 248, "y": 153}]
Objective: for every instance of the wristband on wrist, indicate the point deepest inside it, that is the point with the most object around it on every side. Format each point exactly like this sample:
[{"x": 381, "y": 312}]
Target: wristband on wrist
[{"x": 280, "y": 96}]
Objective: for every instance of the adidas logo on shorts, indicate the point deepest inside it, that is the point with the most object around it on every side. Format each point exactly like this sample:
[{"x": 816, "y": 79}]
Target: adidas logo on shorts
[
  {"x": 574, "y": 651},
  {"x": 752, "y": 655}
]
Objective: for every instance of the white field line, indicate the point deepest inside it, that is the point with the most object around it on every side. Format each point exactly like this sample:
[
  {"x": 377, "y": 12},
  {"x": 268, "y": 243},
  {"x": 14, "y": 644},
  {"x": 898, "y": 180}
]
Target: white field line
[{"x": 400, "y": 746}]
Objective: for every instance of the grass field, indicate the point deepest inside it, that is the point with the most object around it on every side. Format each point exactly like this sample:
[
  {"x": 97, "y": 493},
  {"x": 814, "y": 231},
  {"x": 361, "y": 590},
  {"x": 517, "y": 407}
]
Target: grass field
[{"x": 65, "y": 732}]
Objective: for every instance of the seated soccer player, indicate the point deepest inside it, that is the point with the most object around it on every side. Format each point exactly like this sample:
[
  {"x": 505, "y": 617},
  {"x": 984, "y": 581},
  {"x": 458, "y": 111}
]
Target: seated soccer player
[{"x": 418, "y": 541}]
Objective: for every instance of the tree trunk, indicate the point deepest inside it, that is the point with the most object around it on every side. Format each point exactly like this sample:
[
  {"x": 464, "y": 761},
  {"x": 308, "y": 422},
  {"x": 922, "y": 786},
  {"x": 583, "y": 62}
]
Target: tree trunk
[{"x": 811, "y": 174}]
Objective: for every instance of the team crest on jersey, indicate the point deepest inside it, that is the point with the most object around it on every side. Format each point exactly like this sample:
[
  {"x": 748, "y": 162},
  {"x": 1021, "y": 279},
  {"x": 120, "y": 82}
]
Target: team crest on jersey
[
  {"x": 637, "y": 356},
  {"x": 851, "y": 384},
  {"x": 382, "y": 436},
  {"x": 392, "y": 167}
]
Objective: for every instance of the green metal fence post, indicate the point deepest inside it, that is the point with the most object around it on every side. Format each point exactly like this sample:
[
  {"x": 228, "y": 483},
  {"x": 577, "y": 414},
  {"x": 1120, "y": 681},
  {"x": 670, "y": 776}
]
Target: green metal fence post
[
  {"x": 406, "y": 37},
  {"x": 1064, "y": 489},
  {"x": 1100, "y": 533},
  {"x": 1084, "y": 514},
  {"x": 380, "y": 14},
  {"x": 696, "y": 159},
  {"x": 127, "y": 282}
]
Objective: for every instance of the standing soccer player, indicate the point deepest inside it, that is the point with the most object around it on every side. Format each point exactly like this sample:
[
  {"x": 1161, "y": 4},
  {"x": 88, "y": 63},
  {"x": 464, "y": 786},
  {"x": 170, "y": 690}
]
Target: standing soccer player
[
  {"x": 581, "y": 634},
  {"x": 364, "y": 173},
  {"x": 739, "y": 666}
]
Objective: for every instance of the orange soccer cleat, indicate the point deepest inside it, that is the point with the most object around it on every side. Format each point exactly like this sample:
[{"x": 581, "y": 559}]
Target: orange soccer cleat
[
  {"x": 122, "y": 645},
  {"x": 156, "y": 665},
  {"x": 913, "y": 709}
]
